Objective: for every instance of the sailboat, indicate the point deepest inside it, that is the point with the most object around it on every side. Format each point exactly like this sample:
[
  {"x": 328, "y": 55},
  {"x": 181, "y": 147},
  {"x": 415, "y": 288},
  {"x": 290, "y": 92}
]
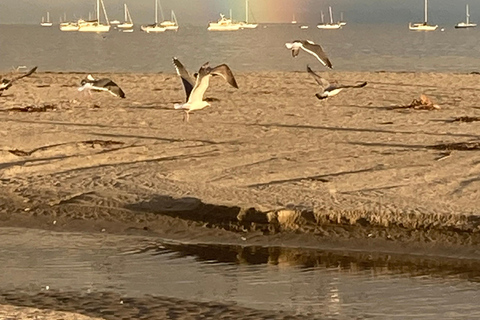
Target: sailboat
[
  {"x": 246, "y": 24},
  {"x": 423, "y": 26},
  {"x": 68, "y": 26},
  {"x": 95, "y": 25},
  {"x": 342, "y": 22},
  {"x": 294, "y": 21},
  {"x": 329, "y": 26},
  {"x": 128, "y": 24},
  {"x": 223, "y": 24},
  {"x": 171, "y": 24},
  {"x": 467, "y": 24},
  {"x": 154, "y": 27},
  {"x": 47, "y": 23}
]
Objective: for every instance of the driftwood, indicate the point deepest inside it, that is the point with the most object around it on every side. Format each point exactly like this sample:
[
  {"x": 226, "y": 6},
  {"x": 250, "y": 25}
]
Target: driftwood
[{"x": 424, "y": 103}]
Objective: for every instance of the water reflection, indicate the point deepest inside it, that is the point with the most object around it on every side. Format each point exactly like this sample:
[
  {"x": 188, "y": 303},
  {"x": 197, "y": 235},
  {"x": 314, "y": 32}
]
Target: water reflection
[
  {"x": 303, "y": 282},
  {"x": 308, "y": 259}
]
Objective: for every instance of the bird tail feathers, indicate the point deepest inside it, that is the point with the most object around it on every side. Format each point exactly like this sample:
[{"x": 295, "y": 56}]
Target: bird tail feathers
[{"x": 178, "y": 105}]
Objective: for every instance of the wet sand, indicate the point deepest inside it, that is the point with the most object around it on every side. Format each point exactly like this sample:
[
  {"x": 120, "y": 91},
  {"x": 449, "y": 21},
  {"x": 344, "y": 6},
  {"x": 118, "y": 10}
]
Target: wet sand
[{"x": 268, "y": 160}]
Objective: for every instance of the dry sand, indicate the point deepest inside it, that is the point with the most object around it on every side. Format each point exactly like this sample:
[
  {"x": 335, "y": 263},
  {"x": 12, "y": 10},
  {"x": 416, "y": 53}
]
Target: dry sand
[{"x": 356, "y": 163}]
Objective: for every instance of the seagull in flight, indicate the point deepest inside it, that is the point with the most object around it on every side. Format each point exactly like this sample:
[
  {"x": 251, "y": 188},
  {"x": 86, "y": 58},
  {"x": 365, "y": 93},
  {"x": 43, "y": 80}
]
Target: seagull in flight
[
  {"x": 195, "y": 90},
  {"x": 104, "y": 84},
  {"x": 310, "y": 47},
  {"x": 330, "y": 89},
  {"x": 5, "y": 84}
]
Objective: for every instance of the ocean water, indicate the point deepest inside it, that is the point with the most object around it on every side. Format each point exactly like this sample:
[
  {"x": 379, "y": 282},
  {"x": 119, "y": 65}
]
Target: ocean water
[
  {"x": 316, "y": 284},
  {"x": 353, "y": 48}
]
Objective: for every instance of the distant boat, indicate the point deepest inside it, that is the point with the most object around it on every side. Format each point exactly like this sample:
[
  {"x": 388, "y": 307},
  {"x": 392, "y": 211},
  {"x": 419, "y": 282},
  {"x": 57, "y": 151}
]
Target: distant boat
[
  {"x": 342, "y": 22},
  {"x": 66, "y": 25},
  {"x": 294, "y": 21},
  {"x": 246, "y": 24},
  {"x": 467, "y": 24},
  {"x": 128, "y": 22},
  {"x": 223, "y": 24},
  {"x": 303, "y": 27},
  {"x": 95, "y": 25},
  {"x": 329, "y": 26},
  {"x": 172, "y": 24},
  {"x": 423, "y": 26},
  {"x": 69, "y": 26},
  {"x": 154, "y": 27},
  {"x": 47, "y": 23}
]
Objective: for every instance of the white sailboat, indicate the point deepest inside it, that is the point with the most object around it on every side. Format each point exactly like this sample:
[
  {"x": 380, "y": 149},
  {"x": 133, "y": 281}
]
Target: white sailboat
[
  {"x": 467, "y": 24},
  {"x": 223, "y": 24},
  {"x": 172, "y": 24},
  {"x": 329, "y": 26},
  {"x": 67, "y": 25},
  {"x": 294, "y": 21},
  {"x": 128, "y": 22},
  {"x": 246, "y": 24},
  {"x": 342, "y": 22},
  {"x": 47, "y": 23},
  {"x": 95, "y": 25},
  {"x": 423, "y": 26},
  {"x": 154, "y": 27}
]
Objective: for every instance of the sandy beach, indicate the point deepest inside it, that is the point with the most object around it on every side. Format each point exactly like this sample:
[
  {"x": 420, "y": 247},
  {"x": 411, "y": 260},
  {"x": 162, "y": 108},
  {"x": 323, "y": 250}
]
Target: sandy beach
[{"x": 268, "y": 161}]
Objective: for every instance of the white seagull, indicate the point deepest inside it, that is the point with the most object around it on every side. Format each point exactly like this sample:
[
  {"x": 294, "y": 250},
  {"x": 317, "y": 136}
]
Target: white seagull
[
  {"x": 104, "y": 84},
  {"x": 310, "y": 47},
  {"x": 330, "y": 89},
  {"x": 195, "y": 95},
  {"x": 5, "y": 84}
]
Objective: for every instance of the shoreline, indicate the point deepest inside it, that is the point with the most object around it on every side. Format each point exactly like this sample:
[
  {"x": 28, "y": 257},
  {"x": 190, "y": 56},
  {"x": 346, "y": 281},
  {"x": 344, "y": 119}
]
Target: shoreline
[{"x": 347, "y": 168}]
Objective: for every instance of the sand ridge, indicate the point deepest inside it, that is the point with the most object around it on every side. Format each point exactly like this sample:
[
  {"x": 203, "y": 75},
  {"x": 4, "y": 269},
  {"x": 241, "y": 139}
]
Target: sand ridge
[{"x": 269, "y": 145}]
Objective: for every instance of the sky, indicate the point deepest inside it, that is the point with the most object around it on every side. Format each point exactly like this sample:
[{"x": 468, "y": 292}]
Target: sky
[{"x": 200, "y": 12}]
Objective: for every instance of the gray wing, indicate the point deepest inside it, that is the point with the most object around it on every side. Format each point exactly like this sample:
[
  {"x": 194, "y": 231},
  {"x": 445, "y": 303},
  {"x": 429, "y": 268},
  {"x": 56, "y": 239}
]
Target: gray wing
[
  {"x": 323, "y": 83},
  {"x": 342, "y": 86},
  {"x": 225, "y": 71},
  {"x": 6, "y": 83},
  {"x": 317, "y": 51},
  {"x": 29, "y": 73},
  {"x": 110, "y": 86},
  {"x": 201, "y": 84},
  {"x": 187, "y": 80}
]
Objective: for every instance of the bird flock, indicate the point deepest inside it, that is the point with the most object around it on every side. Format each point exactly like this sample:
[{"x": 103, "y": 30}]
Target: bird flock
[{"x": 197, "y": 84}]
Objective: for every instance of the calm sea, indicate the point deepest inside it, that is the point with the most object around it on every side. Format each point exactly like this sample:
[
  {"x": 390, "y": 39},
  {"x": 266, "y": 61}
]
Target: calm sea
[{"x": 354, "y": 48}]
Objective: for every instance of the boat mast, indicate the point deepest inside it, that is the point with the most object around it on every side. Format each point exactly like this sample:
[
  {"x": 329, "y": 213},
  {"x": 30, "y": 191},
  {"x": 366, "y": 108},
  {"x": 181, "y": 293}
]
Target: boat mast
[
  {"x": 98, "y": 11},
  {"x": 156, "y": 12},
  {"x": 161, "y": 11},
  {"x": 125, "y": 12},
  {"x": 246, "y": 11},
  {"x": 331, "y": 15},
  {"x": 323, "y": 17},
  {"x": 426, "y": 11},
  {"x": 48, "y": 16},
  {"x": 468, "y": 15},
  {"x": 231, "y": 14},
  {"x": 104, "y": 12}
]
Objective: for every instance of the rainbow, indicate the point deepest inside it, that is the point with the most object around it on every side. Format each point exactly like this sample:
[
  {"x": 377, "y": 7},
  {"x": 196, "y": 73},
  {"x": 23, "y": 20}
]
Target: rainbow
[{"x": 262, "y": 10}]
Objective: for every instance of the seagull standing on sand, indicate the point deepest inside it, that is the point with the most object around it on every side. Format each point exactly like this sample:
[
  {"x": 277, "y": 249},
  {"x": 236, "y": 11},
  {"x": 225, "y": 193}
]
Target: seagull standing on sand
[
  {"x": 310, "y": 47},
  {"x": 330, "y": 89},
  {"x": 5, "y": 84},
  {"x": 104, "y": 84},
  {"x": 195, "y": 94}
]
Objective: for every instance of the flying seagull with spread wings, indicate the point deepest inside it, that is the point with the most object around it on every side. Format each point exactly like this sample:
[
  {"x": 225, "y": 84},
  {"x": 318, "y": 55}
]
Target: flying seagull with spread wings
[
  {"x": 195, "y": 95},
  {"x": 104, "y": 84},
  {"x": 189, "y": 80},
  {"x": 310, "y": 47},
  {"x": 5, "y": 84},
  {"x": 328, "y": 89}
]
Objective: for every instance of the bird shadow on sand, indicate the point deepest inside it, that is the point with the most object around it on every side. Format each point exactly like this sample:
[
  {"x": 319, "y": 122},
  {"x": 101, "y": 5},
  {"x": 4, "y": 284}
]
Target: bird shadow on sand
[{"x": 188, "y": 208}]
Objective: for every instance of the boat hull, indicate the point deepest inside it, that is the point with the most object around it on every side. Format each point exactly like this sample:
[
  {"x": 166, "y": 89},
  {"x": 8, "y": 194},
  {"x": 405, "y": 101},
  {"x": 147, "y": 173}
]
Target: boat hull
[
  {"x": 329, "y": 26},
  {"x": 153, "y": 29},
  {"x": 46, "y": 24},
  {"x": 463, "y": 25},
  {"x": 68, "y": 27},
  {"x": 94, "y": 28},
  {"x": 422, "y": 27}
]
